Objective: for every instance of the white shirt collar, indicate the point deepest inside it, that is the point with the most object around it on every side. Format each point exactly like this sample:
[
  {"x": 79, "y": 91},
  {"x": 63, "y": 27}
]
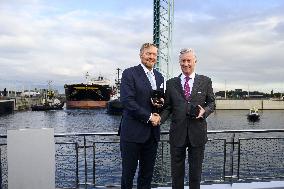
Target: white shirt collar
[
  {"x": 146, "y": 69},
  {"x": 192, "y": 76}
]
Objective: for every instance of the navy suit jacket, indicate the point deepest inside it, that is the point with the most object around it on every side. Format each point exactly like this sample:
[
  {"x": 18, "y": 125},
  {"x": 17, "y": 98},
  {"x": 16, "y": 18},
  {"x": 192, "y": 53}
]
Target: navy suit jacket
[{"x": 135, "y": 95}]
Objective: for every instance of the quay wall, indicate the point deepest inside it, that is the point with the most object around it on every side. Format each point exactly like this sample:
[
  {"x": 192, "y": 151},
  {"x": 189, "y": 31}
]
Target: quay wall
[
  {"x": 247, "y": 104},
  {"x": 7, "y": 106},
  {"x": 20, "y": 103},
  {"x": 26, "y": 103}
]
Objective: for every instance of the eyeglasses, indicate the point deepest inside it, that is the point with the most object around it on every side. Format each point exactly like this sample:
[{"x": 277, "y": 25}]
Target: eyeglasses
[{"x": 187, "y": 50}]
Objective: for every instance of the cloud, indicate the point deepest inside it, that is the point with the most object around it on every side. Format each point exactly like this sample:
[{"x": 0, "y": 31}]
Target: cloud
[
  {"x": 242, "y": 48},
  {"x": 240, "y": 42},
  {"x": 40, "y": 44}
]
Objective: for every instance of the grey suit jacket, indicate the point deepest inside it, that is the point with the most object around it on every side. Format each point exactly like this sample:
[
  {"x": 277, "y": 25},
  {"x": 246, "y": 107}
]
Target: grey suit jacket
[{"x": 177, "y": 105}]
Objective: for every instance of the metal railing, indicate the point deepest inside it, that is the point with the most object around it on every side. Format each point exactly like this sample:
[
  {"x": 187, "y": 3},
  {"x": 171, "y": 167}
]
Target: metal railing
[{"x": 93, "y": 159}]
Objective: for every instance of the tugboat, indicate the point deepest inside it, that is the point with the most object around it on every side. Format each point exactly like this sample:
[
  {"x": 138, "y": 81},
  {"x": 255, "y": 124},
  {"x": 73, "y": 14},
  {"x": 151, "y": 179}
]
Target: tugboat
[
  {"x": 95, "y": 93},
  {"x": 114, "y": 106},
  {"x": 49, "y": 101},
  {"x": 253, "y": 114}
]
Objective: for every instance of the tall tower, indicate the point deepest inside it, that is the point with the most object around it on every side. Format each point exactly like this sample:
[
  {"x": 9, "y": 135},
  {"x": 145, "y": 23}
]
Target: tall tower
[{"x": 162, "y": 34}]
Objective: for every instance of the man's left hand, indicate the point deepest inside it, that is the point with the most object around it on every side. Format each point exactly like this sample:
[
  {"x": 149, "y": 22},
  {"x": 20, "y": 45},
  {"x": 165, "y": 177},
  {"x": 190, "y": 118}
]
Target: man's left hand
[{"x": 201, "y": 112}]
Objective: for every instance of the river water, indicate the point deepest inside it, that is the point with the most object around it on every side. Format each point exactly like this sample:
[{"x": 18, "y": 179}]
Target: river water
[
  {"x": 90, "y": 121},
  {"x": 66, "y": 121}
]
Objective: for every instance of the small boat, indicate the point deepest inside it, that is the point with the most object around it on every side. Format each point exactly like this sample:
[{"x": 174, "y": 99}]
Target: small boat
[
  {"x": 114, "y": 107},
  {"x": 45, "y": 107},
  {"x": 253, "y": 114}
]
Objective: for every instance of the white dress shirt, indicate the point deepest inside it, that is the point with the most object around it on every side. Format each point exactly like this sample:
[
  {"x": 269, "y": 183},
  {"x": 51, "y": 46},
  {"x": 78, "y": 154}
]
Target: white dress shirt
[
  {"x": 152, "y": 75},
  {"x": 190, "y": 82}
]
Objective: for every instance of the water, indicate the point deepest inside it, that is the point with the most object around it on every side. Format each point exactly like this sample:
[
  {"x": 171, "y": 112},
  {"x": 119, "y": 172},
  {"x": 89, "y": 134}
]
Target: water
[
  {"x": 81, "y": 121},
  {"x": 236, "y": 119},
  {"x": 85, "y": 121},
  {"x": 63, "y": 121}
]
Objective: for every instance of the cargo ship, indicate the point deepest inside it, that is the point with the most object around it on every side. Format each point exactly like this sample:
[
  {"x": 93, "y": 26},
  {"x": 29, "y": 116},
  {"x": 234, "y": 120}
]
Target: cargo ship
[{"x": 95, "y": 93}]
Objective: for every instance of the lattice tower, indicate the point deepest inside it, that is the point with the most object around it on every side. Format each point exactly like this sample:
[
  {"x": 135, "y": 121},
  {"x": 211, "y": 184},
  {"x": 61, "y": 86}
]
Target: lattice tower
[{"x": 162, "y": 35}]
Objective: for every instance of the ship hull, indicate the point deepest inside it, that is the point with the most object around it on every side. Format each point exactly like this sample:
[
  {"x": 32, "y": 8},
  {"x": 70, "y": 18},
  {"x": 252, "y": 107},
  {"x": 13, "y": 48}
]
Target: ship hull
[
  {"x": 86, "y": 104},
  {"x": 87, "y": 96}
]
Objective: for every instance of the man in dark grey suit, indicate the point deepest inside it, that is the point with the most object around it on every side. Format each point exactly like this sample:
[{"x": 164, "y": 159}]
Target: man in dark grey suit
[{"x": 190, "y": 100}]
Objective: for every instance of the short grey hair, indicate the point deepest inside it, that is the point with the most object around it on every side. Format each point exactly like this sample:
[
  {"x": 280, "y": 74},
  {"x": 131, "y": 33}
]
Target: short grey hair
[{"x": 187, "y": 50}]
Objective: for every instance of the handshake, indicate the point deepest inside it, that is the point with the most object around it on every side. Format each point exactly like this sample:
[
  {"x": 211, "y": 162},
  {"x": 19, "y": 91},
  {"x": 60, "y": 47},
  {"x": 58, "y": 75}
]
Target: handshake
[{"x": 155, "y": 119}]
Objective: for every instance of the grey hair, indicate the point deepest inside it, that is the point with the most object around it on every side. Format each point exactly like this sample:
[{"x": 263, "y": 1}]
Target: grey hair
[{"x": 187, "y": 50}]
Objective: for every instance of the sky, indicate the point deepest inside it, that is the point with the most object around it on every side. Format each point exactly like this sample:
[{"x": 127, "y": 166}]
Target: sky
[{"x": 238, "y": 43}]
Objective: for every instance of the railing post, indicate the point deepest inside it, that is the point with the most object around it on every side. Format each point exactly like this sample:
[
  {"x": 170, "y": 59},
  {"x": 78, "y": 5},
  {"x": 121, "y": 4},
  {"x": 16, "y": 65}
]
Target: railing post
[
  {"x": 232, "y": 157},
  {"x": 77, "y": 164},
  {"x": 94, "y": 164},
  {"x": 85, "y": 161},
  {"x": 239, "y": 159},
  {"x": 225, "y": 159},
  {"x": 163, "y": 178},
  {"x": 0, "y": 169}
]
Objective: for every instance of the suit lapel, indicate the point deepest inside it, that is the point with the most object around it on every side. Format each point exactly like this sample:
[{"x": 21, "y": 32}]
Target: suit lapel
[
  {"x": 195, "y": 87},
  {"x": 158, "y": 79},
  {"x": 143, "y": 77},
  {"x": 177, "y": 85}
]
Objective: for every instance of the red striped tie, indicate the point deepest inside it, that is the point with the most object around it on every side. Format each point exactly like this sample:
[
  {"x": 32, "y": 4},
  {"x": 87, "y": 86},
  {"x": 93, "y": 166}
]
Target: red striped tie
[{"x": 186, "y": 88}]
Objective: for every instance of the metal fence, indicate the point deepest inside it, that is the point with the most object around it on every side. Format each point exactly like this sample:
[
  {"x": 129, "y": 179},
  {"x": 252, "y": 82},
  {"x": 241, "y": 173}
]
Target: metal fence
[{"x": 93, "y": 159}]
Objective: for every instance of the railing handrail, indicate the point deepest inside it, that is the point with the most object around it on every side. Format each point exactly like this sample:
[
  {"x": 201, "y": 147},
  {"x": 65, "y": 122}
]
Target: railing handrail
[
  {"x": 165, "y": 132},
  {"x": 231, "y": 167}
]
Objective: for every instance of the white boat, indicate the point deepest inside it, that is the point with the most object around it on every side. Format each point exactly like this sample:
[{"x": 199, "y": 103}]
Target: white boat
[{"x": 253, "y": 114}]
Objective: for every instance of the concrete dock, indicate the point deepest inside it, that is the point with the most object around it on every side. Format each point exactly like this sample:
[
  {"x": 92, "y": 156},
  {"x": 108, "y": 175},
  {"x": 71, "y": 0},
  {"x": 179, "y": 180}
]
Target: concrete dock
[
  {"x": 20, "y": 103},
  {"x": 247, "y": 104},
  {"x": 7, "y": 106}
]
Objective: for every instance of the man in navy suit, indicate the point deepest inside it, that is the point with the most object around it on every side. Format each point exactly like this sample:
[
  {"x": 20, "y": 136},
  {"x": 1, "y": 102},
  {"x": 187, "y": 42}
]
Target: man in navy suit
[
  {"x": 139, "y": 132},
  {"x": 190, "y": 100}
]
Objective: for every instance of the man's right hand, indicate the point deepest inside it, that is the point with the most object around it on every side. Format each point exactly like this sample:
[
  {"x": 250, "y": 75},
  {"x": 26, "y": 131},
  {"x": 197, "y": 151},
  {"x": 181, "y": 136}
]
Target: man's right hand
[{"x": 155, "y": 119}]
